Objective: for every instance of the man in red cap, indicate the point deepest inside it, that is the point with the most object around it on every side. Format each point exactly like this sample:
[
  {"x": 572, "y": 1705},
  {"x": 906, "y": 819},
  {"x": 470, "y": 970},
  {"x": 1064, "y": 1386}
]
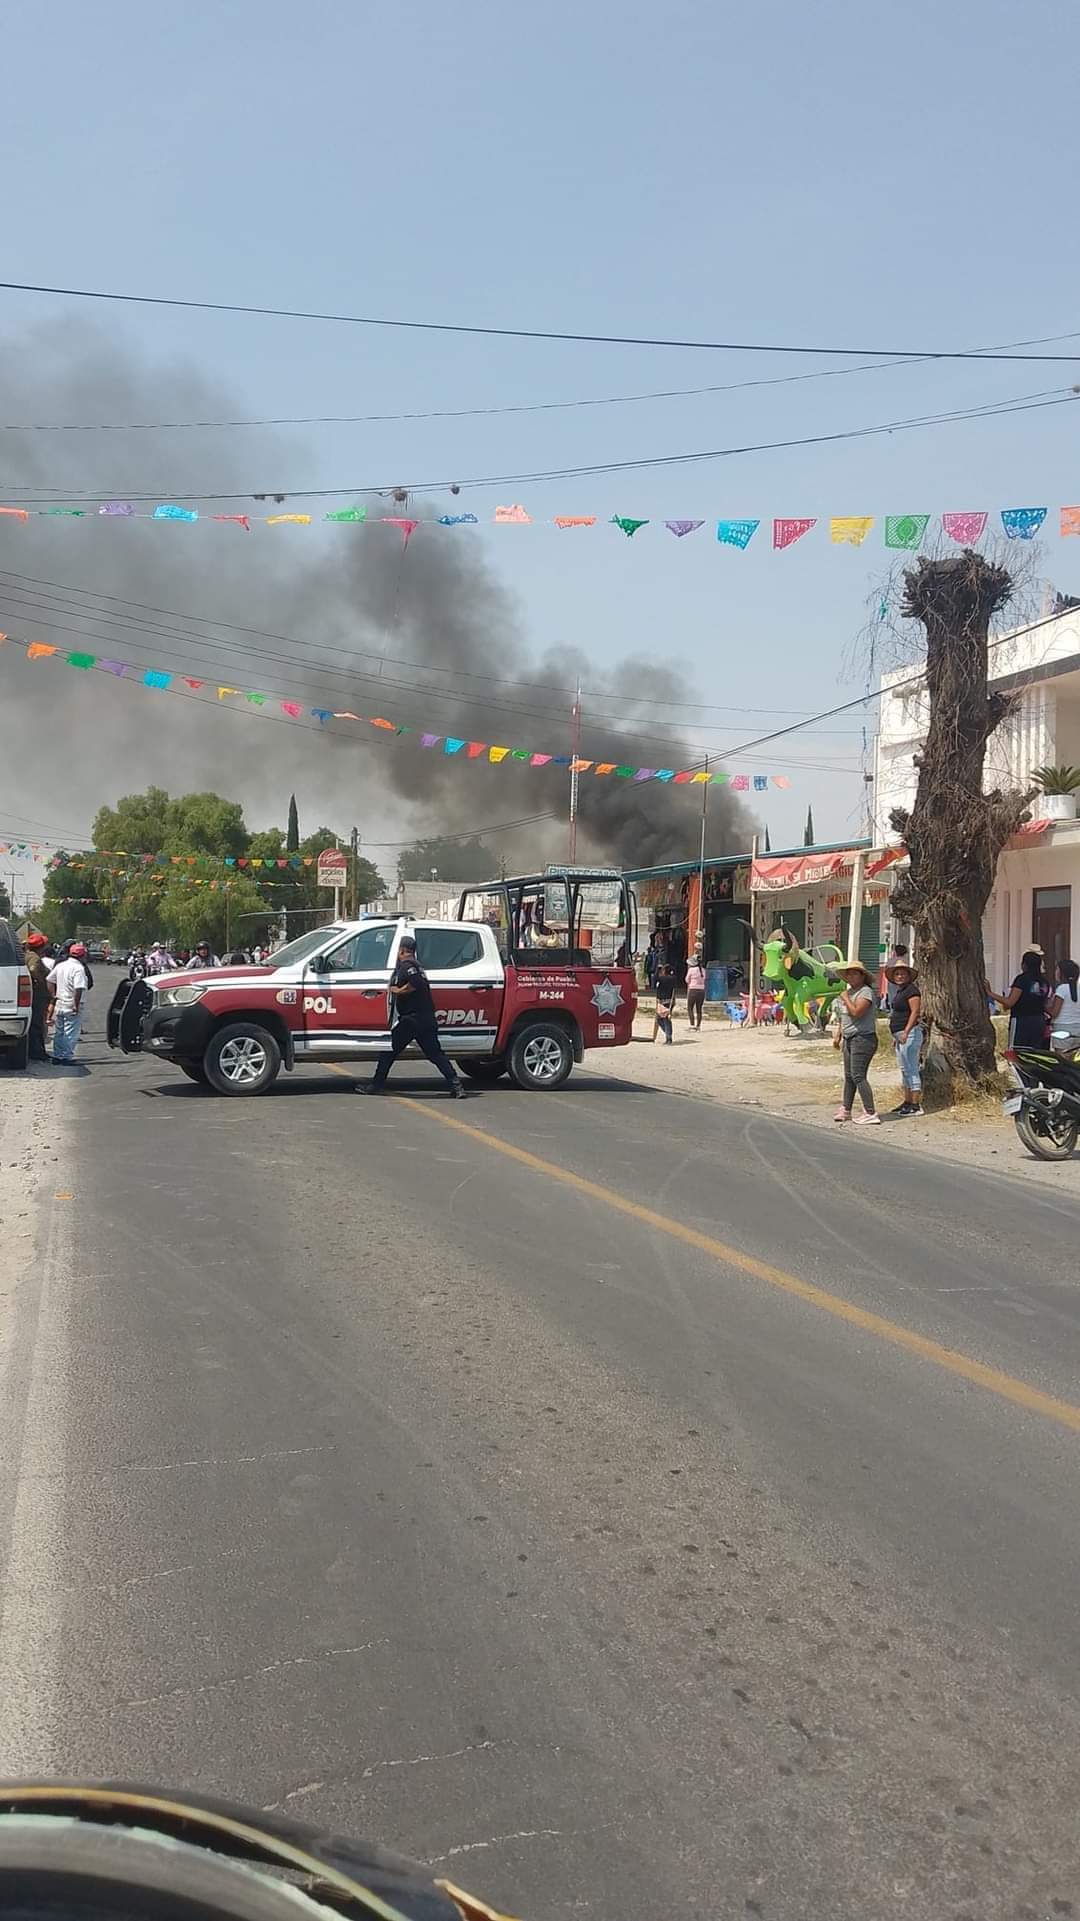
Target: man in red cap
[
  {"x": 39, "y": 987},
  {"x": 67, "y": 984}
]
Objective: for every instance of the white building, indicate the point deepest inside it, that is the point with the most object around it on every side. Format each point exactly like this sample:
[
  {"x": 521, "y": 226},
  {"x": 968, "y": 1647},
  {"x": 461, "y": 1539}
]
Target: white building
[{"x": 1037, "y": 893}]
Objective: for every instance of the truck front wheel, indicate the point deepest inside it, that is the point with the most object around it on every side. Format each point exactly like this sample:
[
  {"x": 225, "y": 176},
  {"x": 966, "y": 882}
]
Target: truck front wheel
[
  {"x": 541, "y": 1057},
  {"x": 242, "y": 1058}
]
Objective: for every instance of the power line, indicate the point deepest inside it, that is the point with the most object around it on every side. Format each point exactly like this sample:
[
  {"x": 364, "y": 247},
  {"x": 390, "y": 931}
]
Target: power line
[
  {"x": 308, "y": 689},
  {"x": 895, "y": 687},
  {"x": 520, "y": 333},
  {"x": 465, "y": 413},
  {"x": 35, "y": 496},
  {"x": 41, "y": 606},
  {"x": 397, "y": 660}
]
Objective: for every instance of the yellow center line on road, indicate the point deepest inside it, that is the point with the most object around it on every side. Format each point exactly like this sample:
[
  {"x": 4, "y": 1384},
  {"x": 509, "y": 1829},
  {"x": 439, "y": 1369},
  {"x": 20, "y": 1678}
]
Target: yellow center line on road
[{"x": 964, "y": 1366}]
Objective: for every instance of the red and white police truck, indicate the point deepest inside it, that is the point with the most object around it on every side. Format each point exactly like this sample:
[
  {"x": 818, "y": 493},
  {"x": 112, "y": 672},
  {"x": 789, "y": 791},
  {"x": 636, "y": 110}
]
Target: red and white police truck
[{"x": 534, "y": 970}]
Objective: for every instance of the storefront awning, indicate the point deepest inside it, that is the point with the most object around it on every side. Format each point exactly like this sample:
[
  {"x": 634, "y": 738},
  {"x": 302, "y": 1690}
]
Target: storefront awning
[{"x": 809, "y": 869}]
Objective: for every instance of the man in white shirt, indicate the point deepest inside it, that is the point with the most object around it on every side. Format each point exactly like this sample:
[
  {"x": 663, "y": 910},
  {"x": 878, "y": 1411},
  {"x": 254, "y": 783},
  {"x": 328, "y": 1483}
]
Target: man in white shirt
[{"x": 67, "y": 985}]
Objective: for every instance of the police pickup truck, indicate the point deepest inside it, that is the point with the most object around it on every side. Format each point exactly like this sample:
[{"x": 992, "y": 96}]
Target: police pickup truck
[{"x": 540, "y": 974}]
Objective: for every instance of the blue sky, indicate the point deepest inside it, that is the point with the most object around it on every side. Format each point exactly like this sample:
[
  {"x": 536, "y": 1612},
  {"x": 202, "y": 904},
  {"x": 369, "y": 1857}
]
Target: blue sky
[{"x": 850, "y": 174}]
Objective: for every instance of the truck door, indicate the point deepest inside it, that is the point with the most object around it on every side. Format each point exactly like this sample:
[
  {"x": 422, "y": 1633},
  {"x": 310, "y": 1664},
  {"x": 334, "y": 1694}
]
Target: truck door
[
  {"x": 466, "y": 978},
  {"x": 345, "y": 1005}
]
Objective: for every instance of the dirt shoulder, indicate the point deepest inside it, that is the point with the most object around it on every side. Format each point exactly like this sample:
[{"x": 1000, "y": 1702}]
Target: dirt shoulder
[
  {"x": 30, "y": 1122},
  {"x": 799, "y": 1080}
]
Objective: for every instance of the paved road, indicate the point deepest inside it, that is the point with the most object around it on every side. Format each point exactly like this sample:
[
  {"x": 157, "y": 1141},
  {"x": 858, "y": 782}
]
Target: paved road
[{"x": 636, "y": 1507}]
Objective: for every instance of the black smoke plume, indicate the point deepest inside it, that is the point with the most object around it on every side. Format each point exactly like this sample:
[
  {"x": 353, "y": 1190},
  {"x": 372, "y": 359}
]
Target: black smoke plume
[{"x": 347, "y": 620}]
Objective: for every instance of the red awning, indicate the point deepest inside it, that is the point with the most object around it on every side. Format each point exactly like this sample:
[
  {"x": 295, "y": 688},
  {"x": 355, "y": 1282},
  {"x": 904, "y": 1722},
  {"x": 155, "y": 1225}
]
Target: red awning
[{"x": 806, "y": 870}]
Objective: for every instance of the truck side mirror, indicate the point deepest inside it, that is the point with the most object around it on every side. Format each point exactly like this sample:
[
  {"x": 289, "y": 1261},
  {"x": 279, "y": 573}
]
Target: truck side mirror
[{"x": 319, "y": 964}]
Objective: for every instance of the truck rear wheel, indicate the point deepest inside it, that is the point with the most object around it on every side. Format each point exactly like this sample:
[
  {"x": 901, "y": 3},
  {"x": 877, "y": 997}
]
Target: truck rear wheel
[
  {"x": 541, "y": 1057},
  {"x": 486, "y": 1072},
  {"x": 242, "y": 1058}
]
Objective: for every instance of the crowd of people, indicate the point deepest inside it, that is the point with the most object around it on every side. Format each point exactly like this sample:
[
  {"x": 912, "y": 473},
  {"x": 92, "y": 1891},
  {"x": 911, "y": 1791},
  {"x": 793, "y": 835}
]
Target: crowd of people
[{"x": 1042, "y": 1013}]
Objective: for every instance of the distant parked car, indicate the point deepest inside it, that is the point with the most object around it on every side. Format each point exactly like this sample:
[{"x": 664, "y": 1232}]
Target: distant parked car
[
  {"x": 97, "y": 951},
  {"x": 15, "y": 1000}
]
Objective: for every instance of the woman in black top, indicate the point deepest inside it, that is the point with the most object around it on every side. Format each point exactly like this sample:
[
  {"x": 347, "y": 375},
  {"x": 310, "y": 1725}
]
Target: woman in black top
[
  {"x": 1027, "y": 1001},
  {"x": 906, "y": 1028}
]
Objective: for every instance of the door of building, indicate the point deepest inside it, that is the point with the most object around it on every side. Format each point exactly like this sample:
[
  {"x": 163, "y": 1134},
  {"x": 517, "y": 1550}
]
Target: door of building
[{"x": 1051, "y": 919}]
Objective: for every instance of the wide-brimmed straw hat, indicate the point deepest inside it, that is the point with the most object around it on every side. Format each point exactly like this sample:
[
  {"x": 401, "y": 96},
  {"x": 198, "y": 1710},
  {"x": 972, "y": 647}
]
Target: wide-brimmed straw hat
[
  {"x": 893, "y": 967},
  {"x": 854, "y": 967}
]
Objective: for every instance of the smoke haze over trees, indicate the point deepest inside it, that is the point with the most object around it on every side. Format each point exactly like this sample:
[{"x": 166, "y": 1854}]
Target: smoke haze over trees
[{"x": 332, "y": 608}]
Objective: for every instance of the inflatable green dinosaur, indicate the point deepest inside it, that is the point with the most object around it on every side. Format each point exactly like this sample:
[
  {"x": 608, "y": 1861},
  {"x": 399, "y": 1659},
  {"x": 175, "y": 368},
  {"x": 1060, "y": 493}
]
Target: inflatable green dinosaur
[{"x": 797, "y": 976}]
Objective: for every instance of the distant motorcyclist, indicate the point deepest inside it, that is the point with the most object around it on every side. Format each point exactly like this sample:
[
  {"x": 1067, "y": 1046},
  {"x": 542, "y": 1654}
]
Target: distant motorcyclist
[{"x": 203, "y": 956}]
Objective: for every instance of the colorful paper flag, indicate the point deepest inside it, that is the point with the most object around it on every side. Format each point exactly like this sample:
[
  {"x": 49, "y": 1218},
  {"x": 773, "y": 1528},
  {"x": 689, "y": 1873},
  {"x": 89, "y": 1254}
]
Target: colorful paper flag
[
  {"x": 39, "y": 650},
  {"x": 85, "y": 661},
  {"x": 65, "y": 513},
  {"x": 905, "y": 530},
  {"x": 781, "y": 780},
  {"x": 408, "y": 527},
  {"x": 168, "y": 511},
  {"x": 605, "y": 767},
  {"x": 452, "y": 745},
  {"x": 376, "y": 721},
  {"x": 850, "y": 529},
  {"x": 458, "y": 520},
  {"x": 120, "y": 509},
  {"x": 628, "y": 526},
  {"x": 322, "y": 715},
  {"x": 193, "y": 684},
  {"x": 740, "y": 782},
  {"x": 761, "y": 781},
  {"x": 516, "y": 515},
  {"x": 476, "y": 748},
  {"x": 117, "y": 667},
  {"x": 288, "y": 520},
  {"x": 1070, "y": 520},
  {"x": 430, "y": 740},
  {"x": 349, "y": 516},
  {"x": 237, "y": 520},
  {"x": 539, "y": 760},
  {"x": 496, "y": 754},
  {"x": 224, "y": 692},
  {"x": 16, "y": 513},
  {"x": 575, "y": 520},
  {"x": 644, "y": 773},
  {"x": 964, "y": 528},
  {"x": 1022, "y": 523},
  {"x": 786, "y": 532},
  {"x": 736, "y": 533},
  {"x": 153, "y": 677},
  {"x": 680, "y": 528}
]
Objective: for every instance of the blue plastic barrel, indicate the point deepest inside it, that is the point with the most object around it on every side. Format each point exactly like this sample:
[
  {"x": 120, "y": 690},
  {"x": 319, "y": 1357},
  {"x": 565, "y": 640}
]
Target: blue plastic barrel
[{"x": 716, "y": 981}]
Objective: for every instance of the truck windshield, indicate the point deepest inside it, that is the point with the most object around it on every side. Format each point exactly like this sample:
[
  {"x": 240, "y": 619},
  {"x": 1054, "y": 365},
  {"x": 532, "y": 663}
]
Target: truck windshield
[{"x": 304, "y": 945}]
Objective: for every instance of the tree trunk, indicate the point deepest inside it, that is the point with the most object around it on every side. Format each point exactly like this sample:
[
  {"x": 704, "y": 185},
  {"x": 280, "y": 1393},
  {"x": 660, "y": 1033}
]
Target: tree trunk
[{"x": 955, "y": 831}]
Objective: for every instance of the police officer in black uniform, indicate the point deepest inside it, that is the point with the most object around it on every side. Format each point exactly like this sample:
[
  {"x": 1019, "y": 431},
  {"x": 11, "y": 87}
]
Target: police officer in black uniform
[{"x": 415, "y": 1009}]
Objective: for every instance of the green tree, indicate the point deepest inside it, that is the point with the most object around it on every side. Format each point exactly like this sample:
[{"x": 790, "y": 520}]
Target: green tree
[
  {"x": 152, "y": 823},
  {"x": 452, "y": 859},
  {"x": 64, "y": 905},
  {"x": 808, "y": 831},
  {"x": 5, "y": 902},
  {"x": 292, "y": 835}
]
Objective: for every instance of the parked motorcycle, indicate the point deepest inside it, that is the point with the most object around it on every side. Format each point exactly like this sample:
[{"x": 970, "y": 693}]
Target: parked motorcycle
[{"x": 1046, "y": 1105}]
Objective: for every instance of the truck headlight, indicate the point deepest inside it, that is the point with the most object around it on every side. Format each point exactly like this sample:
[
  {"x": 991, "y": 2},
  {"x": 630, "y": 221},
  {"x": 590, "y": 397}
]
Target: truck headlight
[{"x": 183, "y": 996}]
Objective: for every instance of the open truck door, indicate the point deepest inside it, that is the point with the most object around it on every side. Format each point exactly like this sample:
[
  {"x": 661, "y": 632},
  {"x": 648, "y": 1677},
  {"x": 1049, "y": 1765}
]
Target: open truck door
[{"x": 127, "y": 1010}]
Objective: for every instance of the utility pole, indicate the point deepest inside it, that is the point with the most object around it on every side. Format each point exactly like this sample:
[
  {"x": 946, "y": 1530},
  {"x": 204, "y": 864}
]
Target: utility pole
[
  {"x": 701, "y": 866},
  {"x": 855, "y": 909},
  {"x": 354, "y": 872},
  {"x": 575, "y": 752},
  {"x": 751, "y": 1015}
]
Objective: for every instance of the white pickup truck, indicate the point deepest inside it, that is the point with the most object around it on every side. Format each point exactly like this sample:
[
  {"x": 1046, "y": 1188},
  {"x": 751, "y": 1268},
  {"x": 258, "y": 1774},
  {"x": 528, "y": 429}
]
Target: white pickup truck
[{"x": 15, "y": 1000}]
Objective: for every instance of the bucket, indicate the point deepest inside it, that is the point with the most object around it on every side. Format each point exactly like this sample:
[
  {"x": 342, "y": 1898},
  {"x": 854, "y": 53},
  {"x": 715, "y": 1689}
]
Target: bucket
[{"x": 716, "y": 981}]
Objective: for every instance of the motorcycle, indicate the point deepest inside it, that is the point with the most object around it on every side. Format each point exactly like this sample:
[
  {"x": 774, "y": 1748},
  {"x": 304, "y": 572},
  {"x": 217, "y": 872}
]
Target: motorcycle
[
  {"x": 105, "y": 1853},
  {"x": 1046, "y": 1105}
]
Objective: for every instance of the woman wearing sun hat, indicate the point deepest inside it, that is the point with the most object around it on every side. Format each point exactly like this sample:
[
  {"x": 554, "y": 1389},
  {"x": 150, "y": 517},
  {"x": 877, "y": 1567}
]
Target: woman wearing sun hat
[{"x": 858, "y": 1037}]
